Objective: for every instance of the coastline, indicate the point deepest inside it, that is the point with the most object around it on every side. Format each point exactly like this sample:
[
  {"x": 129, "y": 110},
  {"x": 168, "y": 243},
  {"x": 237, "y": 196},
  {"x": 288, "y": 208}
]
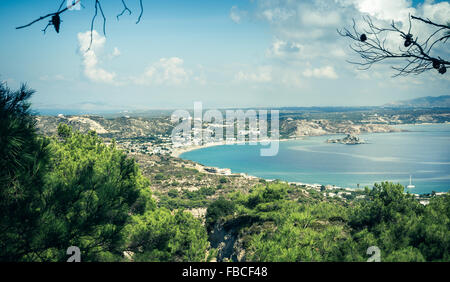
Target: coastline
[{"x": 177, "y": 152}]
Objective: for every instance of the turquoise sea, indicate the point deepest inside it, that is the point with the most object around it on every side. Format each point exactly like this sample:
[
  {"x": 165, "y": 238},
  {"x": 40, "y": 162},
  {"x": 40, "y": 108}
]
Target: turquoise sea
[{"x": 423, "y": 152}]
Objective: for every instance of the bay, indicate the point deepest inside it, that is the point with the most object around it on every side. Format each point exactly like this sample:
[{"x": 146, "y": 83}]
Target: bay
[{"x": 422, "y": 152}]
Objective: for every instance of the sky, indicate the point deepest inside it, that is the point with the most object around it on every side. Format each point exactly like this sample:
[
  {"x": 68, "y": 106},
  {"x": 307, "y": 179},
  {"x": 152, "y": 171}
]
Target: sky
[{"x": 227, "y": 53}]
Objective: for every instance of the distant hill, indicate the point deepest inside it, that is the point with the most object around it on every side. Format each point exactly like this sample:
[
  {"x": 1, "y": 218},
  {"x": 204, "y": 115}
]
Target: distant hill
[
  {"x": 118, "y": 128},
  {"x": 423, "y": 102}
]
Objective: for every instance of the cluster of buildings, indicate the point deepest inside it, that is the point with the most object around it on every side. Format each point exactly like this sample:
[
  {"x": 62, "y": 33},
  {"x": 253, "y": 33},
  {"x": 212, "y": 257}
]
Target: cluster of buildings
[{"x": 163, "y": 146}]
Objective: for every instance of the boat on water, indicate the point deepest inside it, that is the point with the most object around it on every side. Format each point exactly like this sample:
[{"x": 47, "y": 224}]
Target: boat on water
[{"x": 410, "y": 184}]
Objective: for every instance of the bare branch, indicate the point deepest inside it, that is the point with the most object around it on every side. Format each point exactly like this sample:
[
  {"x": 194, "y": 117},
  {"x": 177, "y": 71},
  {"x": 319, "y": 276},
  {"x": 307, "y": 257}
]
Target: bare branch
[
  {"x": 125, "y": 9},
  {"x": 103, "y": 15},
  {"x": 142, "y": 12},
  {"x": 427, "y": 21},
  {"x": 98, "y": 6},
  {"x": 50, "y": 15},
  {"x": 370, "y": 45},
  {"x": 55, "y": 17}
]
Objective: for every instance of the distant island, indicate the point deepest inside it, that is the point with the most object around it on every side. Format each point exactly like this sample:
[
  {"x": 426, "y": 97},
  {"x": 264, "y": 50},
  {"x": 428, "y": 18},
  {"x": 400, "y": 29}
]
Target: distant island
[{"x": 348, "y": 140}]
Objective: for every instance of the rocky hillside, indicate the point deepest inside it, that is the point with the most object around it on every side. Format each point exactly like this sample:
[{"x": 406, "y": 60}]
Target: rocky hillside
[
  {"x": 291, "y": 125},
  {"x": 119, "y": 128},
  {"x": 299, "y": 128}
]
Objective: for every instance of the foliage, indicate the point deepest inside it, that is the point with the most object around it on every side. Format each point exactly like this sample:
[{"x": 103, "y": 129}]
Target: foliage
[
  {"x": 92, "y": 189},
  {"x": 73, "y": 190},
  {"x": 218, "y": 209},
  {"x": 24, "y": 159},
  {"x": 275, "y": 228},
  {"x": 158, "y": 235}
]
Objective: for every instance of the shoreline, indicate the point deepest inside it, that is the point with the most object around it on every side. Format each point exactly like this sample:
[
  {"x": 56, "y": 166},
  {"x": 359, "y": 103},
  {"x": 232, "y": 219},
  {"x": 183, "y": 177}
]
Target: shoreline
[
  {"x": 177, "y": 152},
  {"x": 181, "y": 150}
]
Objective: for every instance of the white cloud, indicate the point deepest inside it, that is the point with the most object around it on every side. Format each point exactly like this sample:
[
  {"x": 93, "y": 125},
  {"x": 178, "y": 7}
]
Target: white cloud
[
  {"x": 321, "y": 19},
  {"x": 56, "y": 77},
  {"x": 324, "y": 72},
  {"x": 90, "y": 58},
  {"x": 236, "y": 14},
  {"x": 271, "y": 76},
  {"x": 291, "y": 78},
  {"x": 397, "y": 10},
  {"x": 167, "y": 71},
  {"x": 305, "y": 31},
  {"x": 281, "y": 49},
  {"x": 116, "y": 52},
  {"x": 439, "y": 12},
  {"x": 262, "y": 74},
  {"x": 292, "y": 51},
  {"x": 277, "y": 14}
]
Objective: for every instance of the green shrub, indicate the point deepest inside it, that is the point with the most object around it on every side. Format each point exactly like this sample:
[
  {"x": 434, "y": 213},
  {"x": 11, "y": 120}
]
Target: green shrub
[{"x": 218, "y": 209}]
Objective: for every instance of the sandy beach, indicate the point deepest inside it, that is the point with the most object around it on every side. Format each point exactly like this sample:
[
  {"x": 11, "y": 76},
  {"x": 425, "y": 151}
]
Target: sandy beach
[{"x": 176, "y": 152}]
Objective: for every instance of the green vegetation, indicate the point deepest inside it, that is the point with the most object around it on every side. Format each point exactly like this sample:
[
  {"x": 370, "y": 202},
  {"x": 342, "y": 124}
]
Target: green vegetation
[
  {"x": 404, "y": 229},
  {"x": 223, "y": 180},
  {"x": 187, "y": 199},
  {"x": 160, "y": 176},
  {"x": 275, "y": 228},
  {"x": 71, "y": 189},
  {"x": 217, "y": 210},
  {"x": 158, "y": 235}
]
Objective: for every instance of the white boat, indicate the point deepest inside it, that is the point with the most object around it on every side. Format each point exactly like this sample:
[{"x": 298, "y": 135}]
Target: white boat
[{"x": 410, "y": 184}]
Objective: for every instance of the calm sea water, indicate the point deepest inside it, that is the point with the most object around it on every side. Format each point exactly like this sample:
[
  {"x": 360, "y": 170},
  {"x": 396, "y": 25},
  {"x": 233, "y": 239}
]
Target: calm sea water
[{"x": 423, "y": 153}]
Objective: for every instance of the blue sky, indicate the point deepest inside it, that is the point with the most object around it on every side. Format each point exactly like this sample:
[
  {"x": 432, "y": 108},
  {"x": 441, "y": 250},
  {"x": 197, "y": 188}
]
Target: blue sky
[{"x": 223, "y": 53}]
